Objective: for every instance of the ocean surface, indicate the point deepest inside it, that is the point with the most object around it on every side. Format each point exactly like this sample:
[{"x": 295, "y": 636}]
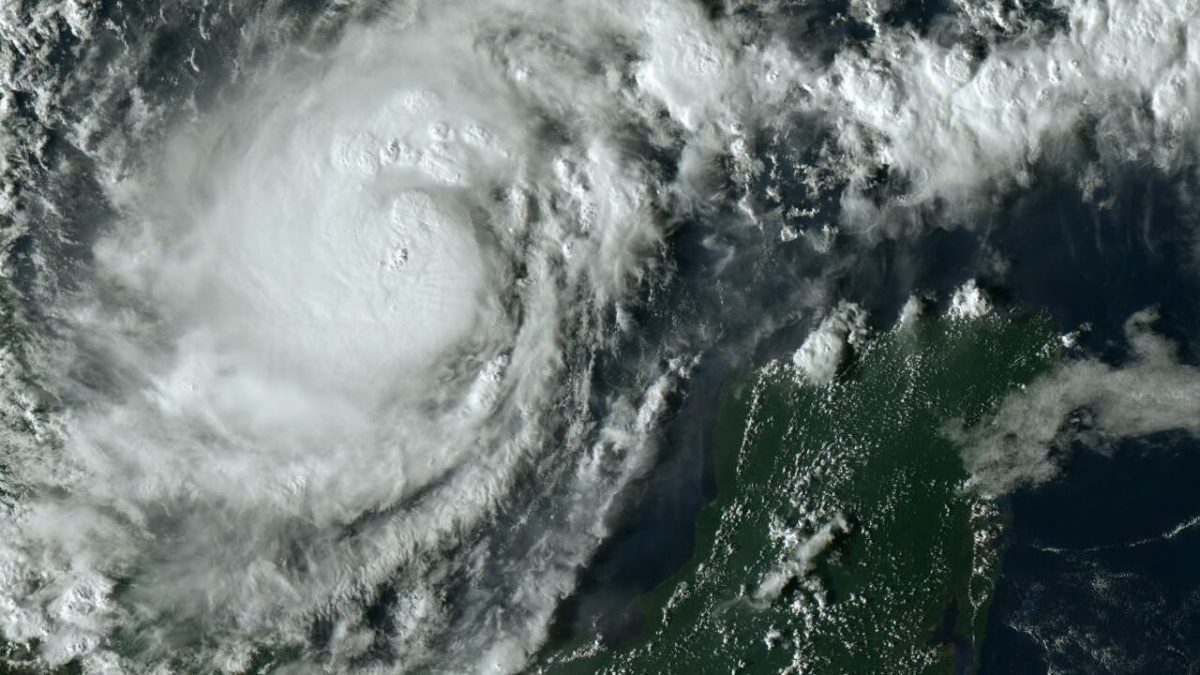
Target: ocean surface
[{"x": 684, "y": 337}]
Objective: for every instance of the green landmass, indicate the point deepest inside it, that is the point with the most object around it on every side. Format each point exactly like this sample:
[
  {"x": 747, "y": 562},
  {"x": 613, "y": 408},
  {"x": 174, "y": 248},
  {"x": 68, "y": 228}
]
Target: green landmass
[
  {"x": 851, "y": 498},
  {"x": 844, "y": 537}
]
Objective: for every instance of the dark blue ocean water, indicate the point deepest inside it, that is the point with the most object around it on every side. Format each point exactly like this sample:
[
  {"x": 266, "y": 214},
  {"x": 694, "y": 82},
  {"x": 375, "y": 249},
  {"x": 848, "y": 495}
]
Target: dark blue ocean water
[
  {"x": 1122, "y": 608},
  {"x": 1105, "y": 600},
  {"x": 1116, "y": 609},
  {"x": 1133, "y": 609}
]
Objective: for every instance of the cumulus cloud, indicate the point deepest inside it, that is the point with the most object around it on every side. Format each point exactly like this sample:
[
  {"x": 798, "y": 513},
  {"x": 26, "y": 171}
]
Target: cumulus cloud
[
  {"x": 827, "y": 348},
  {"x": 969, "y": 302},
  {"x": 326, "y": 339},
  {"x": 913, "y": 309},
  {"x": 801, "y": 556},
  {"x": 1084, "y": 400},
  {"x": 1116, "y": 83},
  {"x": 339, "y": 322}
]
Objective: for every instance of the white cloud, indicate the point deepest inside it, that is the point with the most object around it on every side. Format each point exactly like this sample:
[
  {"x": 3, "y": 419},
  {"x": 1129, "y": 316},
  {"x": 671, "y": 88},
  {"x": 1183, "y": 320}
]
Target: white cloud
[
  {"x": 958, "y": 126},
  {"x": 969, "y": 302},
  {"x": 336, "y": 323},
  {"x": 827, "y": 347},
  {"x": 800, "y": 557},
  {"x": 341, "y": 314},
  {"x": 1084, "y": 399}
]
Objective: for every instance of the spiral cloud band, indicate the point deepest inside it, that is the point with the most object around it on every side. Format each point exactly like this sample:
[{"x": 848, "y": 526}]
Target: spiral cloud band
[
  {"x": 331, "y": 331},
  {"x": 353, "y": 364}
]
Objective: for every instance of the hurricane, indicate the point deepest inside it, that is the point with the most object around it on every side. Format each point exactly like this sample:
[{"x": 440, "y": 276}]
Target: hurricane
[{"x": 351, "y": 336}]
